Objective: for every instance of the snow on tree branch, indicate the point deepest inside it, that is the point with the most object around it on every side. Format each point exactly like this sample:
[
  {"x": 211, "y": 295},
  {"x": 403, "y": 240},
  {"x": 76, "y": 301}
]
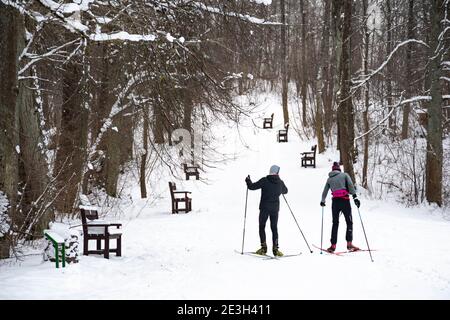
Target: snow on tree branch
[
  {"x": 116, "y": 108},
  {"x": 400, "y": 103},
  {"x": 125, "y": 36},
  {"x": 370, "y": 76},
  {"x": 244, "y": 17},
  {"x": 35, "y": 57}
]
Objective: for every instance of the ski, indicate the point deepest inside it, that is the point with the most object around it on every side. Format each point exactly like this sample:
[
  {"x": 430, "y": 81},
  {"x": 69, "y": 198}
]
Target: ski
[
  {"x": 360, "y": 250},
  {"x": 266, "y": 256},
  {"x": 339, "y": 253},
  {"x": 254, "y": 254},
  {"x": 284, "y": 256},
  {"x": 325, "y": 250}
]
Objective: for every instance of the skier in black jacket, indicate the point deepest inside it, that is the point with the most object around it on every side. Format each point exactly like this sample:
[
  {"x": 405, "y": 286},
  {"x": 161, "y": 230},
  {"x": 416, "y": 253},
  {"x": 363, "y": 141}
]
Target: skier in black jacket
[{"x": 271, "y": 189}]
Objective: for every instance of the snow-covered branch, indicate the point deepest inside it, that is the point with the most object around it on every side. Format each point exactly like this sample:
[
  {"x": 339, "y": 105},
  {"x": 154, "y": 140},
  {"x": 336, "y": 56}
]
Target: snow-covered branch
[
  {"x": 37, "y": 57},
  {"x": 115, "y": 109},
  {"x": 240, "y": 16},
  {"x": 370, "y": 76},
  {"x": 379, "y": 123},
  {"x": 125, "y": 36}
]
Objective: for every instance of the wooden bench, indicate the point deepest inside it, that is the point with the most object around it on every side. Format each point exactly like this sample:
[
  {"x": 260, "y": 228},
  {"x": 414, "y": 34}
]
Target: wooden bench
[
  {"x": 268, "y": 122},
  {"x": 309, "y": 158},
  {"x": 176, "y": 200},
  {"x": 99, "y": 230},
  {"x": 58, "y": 242},
  {"x": 191, "y": 171},
  {"x": 283, "y": 134}
]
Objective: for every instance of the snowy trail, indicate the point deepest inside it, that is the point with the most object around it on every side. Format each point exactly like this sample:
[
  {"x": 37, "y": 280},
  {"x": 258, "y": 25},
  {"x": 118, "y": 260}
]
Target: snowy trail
[{"x": 192, "y": 256}]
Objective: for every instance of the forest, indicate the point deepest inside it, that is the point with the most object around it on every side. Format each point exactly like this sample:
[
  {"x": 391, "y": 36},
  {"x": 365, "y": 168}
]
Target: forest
[{"x": 92, "y": 89}]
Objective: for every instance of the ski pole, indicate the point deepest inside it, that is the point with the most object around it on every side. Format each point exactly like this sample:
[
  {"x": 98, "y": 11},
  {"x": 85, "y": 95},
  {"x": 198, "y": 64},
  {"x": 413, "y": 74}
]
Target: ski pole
[
  {"x": 365, "y": 235},
  {"x": 321, "y": 233},
  {"x": 245, "y": 218},
  {"x": 297, "y": 224}
]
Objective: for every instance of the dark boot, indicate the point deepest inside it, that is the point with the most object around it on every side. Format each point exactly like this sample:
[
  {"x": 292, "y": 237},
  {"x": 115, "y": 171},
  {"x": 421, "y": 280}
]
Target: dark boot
[
  {"x": 332, "y": 248},
  {"x": 277, "y": 252},
  {"x": 263, "y": 249}
]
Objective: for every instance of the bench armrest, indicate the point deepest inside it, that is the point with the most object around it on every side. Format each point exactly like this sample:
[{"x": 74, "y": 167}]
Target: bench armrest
[{"x": 103, "y": 224}]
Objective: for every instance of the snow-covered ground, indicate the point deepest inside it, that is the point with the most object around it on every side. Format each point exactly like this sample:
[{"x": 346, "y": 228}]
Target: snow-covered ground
[{"x": 193, "y": 256}]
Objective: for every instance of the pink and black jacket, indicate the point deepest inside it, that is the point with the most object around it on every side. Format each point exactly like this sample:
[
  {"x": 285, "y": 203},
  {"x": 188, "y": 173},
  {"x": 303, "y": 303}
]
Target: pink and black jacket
[{"x": 340, "y": 184}]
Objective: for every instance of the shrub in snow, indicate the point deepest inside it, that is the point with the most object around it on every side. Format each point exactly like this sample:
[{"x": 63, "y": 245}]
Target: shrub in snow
[{"x": 71, "y": 239}]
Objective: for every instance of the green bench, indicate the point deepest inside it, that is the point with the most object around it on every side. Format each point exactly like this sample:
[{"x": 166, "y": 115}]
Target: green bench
[{"x": 57, "y": 242}]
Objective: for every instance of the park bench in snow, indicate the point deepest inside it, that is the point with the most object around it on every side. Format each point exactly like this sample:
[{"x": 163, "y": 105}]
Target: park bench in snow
[
  {"x": 176, "y": 200},
  {"x": 191, "y": 171},
  {"x": 309, "y": 158},
  {"x": 99, "y": 230},
  {"x": 283, "y": 134},
  {"x": 268, "y": 122},
  {"x": 59, "y": 244}
]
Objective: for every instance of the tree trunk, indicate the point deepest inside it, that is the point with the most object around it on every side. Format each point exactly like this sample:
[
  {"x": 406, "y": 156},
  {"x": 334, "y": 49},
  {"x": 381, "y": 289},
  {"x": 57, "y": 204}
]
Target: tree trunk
[
  {"x": 304, "y": 69},
  {"x": 113, "y": 157},
  {"x": 337, "y": 6},
  {"x": 319, "y": 125},
  {"x": 72, "y": 138},
  {"x": 326, "y": 80},
  {"x": 144, "y": 156},
  {"x": 320, "y": 85},
  {"x": 158, "y": 123},
  {"x": 389, "y": 72},
  {"x": 434, "y": 126},
  {"x": 366, "y": 99},
  {"x": 345, "y": 109},
  {"x": 10, "y": 21},
  {"x": 409, "y": 66},
  {"x": 188, "y": 107},
  {"x": 33, "y": 169},
  {"x": 284, "y": 82}
]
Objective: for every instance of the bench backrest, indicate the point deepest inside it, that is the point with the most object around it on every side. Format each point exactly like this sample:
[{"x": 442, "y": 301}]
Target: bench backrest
[
  {"x": 191, "y": 169},
  {"x": 172, "y": 188},
  {"x": 286, "y": 127},
  {"x": 314, "y": 148},
  {"x": 87, "y": 213}
]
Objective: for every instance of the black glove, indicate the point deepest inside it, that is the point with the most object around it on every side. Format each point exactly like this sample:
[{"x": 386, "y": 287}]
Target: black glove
[
  {"x": 354, "y": 196},
  {"x": 357, "y": 203},
  {"x": 247, "y": 180},
  {"x": 322, "y": 204}
]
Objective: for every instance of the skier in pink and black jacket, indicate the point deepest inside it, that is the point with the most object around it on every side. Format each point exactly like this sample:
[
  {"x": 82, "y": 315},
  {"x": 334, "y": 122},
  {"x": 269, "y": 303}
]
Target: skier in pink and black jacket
[{"x": 341, "y": 186}]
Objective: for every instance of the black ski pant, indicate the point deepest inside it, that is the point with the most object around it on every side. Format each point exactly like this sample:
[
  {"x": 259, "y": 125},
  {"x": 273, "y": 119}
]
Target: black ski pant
[
  {"x": 263, "y": 216},
  {"x": 341, "y": 205}
]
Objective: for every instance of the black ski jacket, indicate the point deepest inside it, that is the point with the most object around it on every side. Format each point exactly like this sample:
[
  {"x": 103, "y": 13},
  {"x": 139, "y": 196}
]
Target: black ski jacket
[{"x": 271, "y": 189}]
